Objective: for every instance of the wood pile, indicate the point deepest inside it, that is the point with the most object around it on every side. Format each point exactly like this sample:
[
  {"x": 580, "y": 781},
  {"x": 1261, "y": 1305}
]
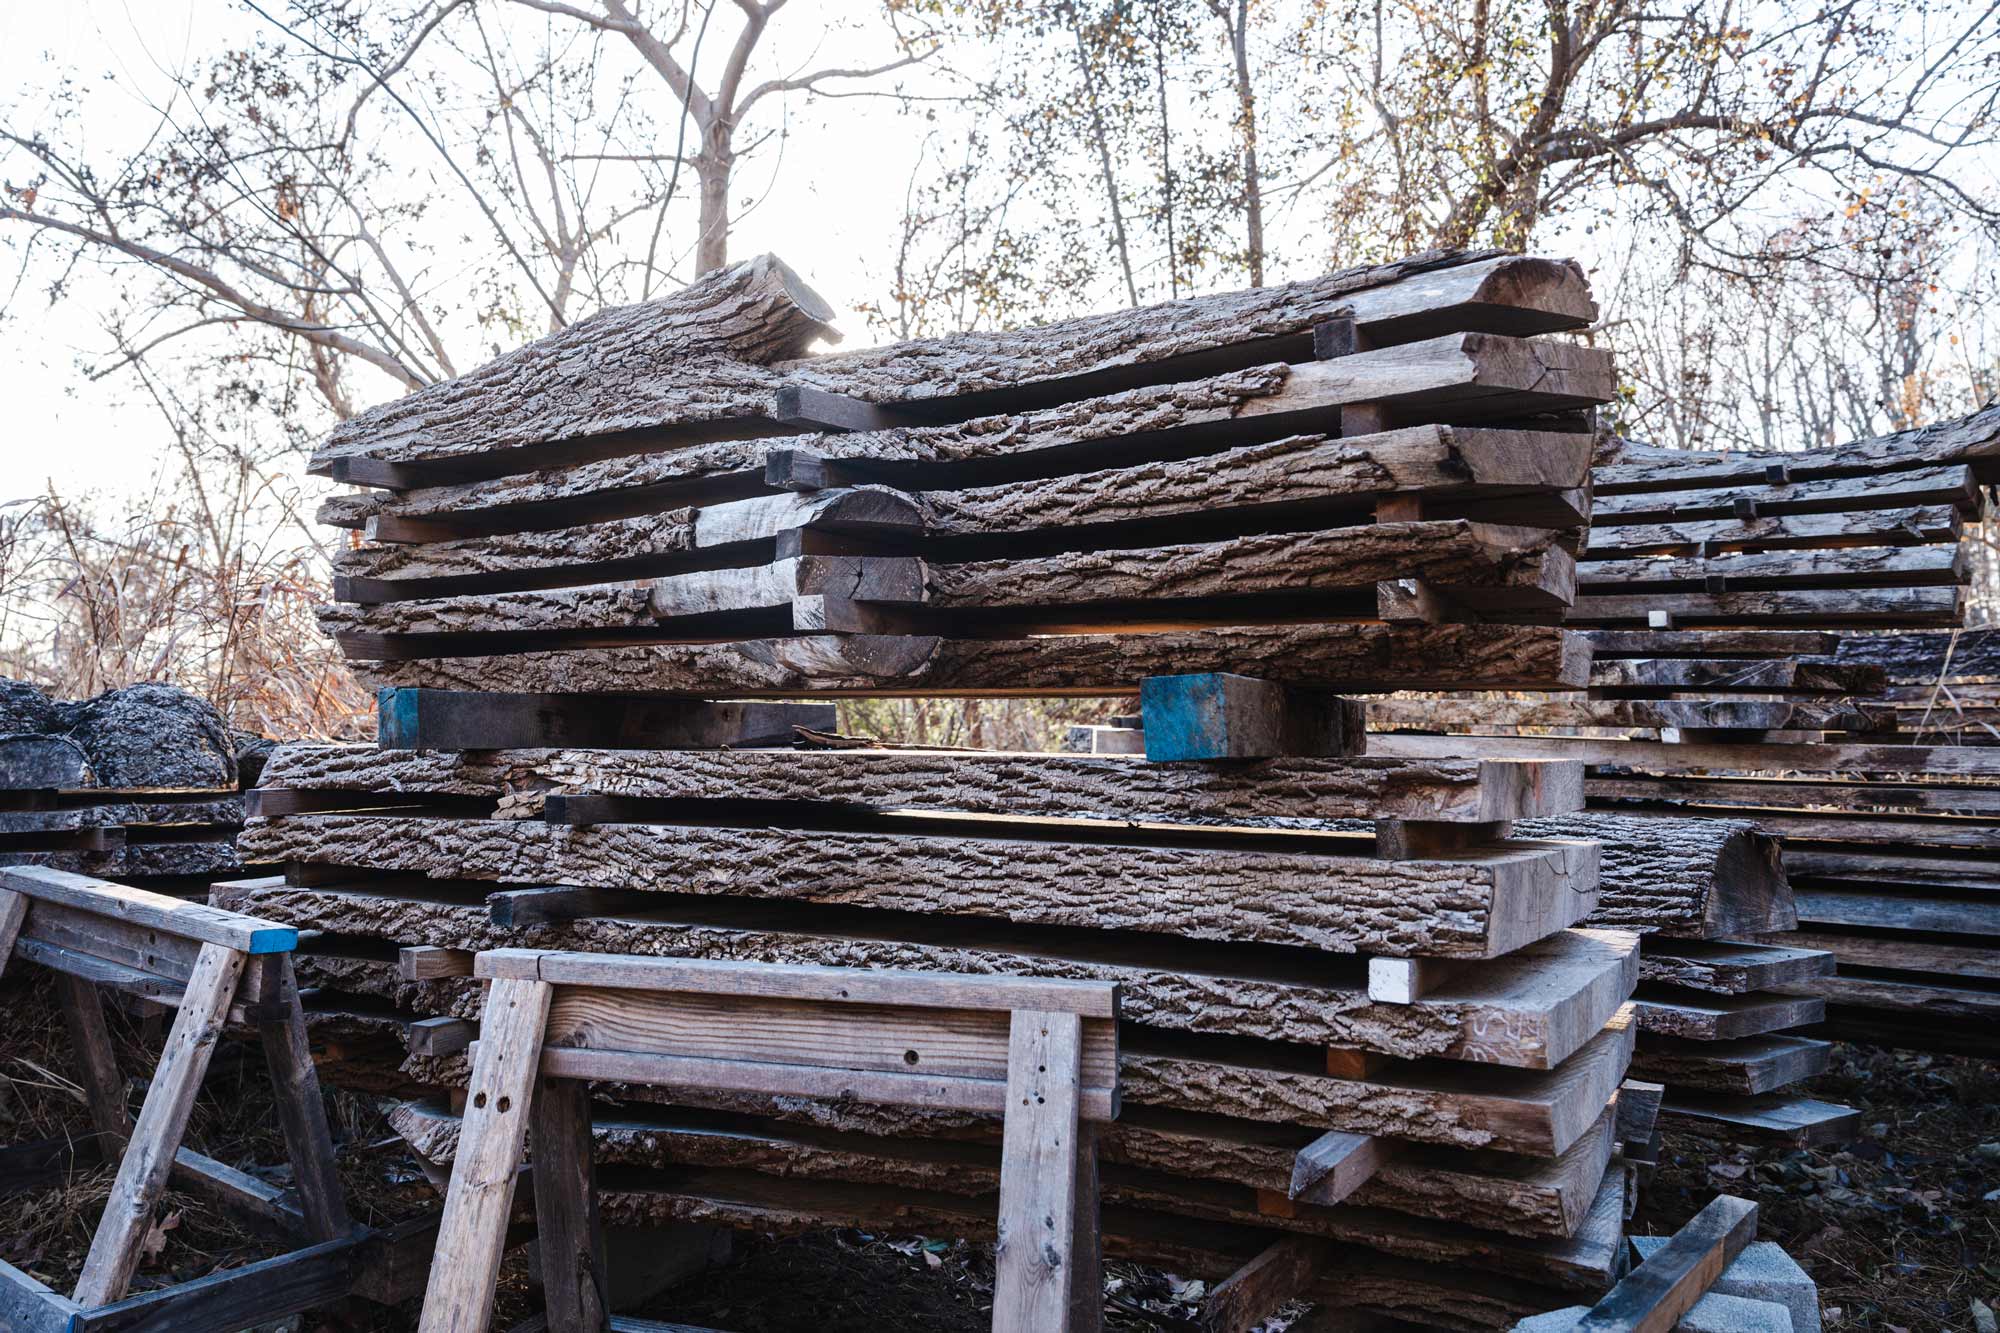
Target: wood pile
[
  {"x": 603, "y": 574},
  {"x": 138, "y": 785},
  {"x": 1822, "y": 736}
]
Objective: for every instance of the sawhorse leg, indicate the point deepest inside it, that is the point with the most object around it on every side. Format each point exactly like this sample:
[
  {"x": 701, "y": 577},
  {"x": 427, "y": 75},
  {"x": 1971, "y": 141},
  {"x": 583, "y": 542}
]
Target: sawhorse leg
[
  {"x": 149, "y": 1154},
  {"x": 301, "y": 1113},
  {"x": 572, "y": 1242},
  {"x": 103, "y": 1084},
  {"x": 472, "y": 1235},
  {"x": 1046, "y": 1266}
]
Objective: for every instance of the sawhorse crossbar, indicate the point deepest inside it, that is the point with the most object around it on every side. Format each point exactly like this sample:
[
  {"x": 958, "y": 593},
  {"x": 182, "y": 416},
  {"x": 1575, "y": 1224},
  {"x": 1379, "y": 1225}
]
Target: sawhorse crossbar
[
  {"x": 214, "y": 968},
  {"x": 1043, "y": 1054}
]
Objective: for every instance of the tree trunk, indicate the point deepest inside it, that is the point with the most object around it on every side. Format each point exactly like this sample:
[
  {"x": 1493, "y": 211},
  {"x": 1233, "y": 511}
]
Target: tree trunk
[{"x": 713, "y": 170}]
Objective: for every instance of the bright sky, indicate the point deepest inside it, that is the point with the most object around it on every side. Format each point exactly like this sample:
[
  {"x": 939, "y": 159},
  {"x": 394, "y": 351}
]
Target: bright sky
[
  {"x": 829, "y": 219},
  {"x": 834, "y": 212}
]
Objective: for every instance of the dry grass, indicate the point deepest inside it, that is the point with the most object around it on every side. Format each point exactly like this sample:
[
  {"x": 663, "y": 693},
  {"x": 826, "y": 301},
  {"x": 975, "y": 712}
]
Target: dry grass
[
  {"x": 207, "y": 582},
  {"x": 47, "y": 1231}
]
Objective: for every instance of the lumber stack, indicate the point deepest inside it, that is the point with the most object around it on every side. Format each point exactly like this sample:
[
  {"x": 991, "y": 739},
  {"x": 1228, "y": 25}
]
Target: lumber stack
[
  {"x": 1864, "y": 535},
  {"x": 137, "y": 784},
  {"x": 1327, "y": 480},
  {"x": 601, "y": 577},
  {"x": 1849, "y": 744},
  {"x": 1245, "y": 955}
]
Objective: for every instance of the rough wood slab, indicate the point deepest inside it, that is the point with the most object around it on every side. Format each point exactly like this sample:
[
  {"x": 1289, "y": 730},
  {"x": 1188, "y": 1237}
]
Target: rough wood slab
[
  {"x": 1951, "y": 484},
  {"x": 1855, "y": 567},
  {"x": 729, "y": 324},
  {"x": 1778, "y": 532},
  {"x": 1392, "y": 302},
  {"x": 1917, "y": 996},
  {"x": 1896, "y": 762},
  {"x": 1921, "y": 659},
  {"x": 1855, "y": 608},
  {"x": 1482, "y": 714},
  {"x": 1974, "y": 439},
  {"x": 1967, "y": 958},
  {"x": 1771, "y": 1118},
  {"x": 1532, "y": 1008},
  {"x": 1795, "y": 795},
  {"x": 973, "y": 782},
  {"x": 1351, "y": 657},
  {"x": 1726, "y": 967},
  {"x": 1128, "y": 454},
  {"x": 1744, "y": 1067},
  {"x": 1688, "y": 878},
  {"x": 1673, "y": 1012},
  {"x": 1711, "y": 643},
  {"x": 1479, "y": 903},
  {"x": 664, "y": 366},
  {"x": 1787, "y": 675},
  {"x": 1540, "y": 1113},
  {"x": 1527, "y": 1196},
  {"x": 1292, "y": 476},
  {"x": 1511, "y": 567}
]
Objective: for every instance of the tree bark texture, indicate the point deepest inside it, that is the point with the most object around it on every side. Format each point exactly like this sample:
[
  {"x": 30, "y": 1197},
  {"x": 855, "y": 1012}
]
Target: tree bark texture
[{"x": 1477, "y": 904}]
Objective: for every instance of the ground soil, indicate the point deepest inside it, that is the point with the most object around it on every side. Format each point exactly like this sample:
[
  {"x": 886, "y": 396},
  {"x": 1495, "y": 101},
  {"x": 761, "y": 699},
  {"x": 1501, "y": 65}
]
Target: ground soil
[{"x": 1898, "y": 1228}]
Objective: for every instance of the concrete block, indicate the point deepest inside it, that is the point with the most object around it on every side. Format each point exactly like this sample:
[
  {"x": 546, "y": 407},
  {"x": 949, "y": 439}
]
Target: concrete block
[
  {"x": 1713, "y": 1313},
  {"x": 1763, "y": 1272},
  {"x": 1717, "y": 1313}
]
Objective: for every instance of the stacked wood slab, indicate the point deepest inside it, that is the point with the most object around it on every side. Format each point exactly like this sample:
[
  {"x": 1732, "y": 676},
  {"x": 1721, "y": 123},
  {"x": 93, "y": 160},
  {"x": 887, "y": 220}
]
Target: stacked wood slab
[
  {"x": 137, "y": 785},
  {"x": 1354, "y": 483},
  {"x": 1321, "y": 476},
  {"x": 1792, "y": 732}
]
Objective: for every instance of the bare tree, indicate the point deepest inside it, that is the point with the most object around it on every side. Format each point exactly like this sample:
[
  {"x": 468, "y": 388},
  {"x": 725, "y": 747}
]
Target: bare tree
[
  {"x": 1236, "y": 22},
  {"x": 721, "y": 108}
]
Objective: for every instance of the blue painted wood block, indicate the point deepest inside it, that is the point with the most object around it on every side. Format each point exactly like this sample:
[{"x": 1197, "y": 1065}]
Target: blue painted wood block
[{"x": 1190, "y": 717}]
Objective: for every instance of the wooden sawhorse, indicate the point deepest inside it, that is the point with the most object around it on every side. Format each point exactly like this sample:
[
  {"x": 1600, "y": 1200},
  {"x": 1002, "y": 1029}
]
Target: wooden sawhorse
[
  {"x": 1044, "y": 1054},
  {"x": 214, "y": 968}
]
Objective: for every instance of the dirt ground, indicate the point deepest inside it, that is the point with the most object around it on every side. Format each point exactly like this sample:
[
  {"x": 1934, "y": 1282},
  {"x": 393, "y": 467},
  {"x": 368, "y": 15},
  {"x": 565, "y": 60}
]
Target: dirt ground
[{"x": 1901, "y": 1229}]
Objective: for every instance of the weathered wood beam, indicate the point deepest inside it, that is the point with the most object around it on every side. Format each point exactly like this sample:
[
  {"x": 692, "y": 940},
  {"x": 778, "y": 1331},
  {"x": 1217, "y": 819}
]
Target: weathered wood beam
[
  {"x": 1858, "y": 608},
  {"x": 1220, "y": 715},
  {"x": 1657, "y": 1293}
]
